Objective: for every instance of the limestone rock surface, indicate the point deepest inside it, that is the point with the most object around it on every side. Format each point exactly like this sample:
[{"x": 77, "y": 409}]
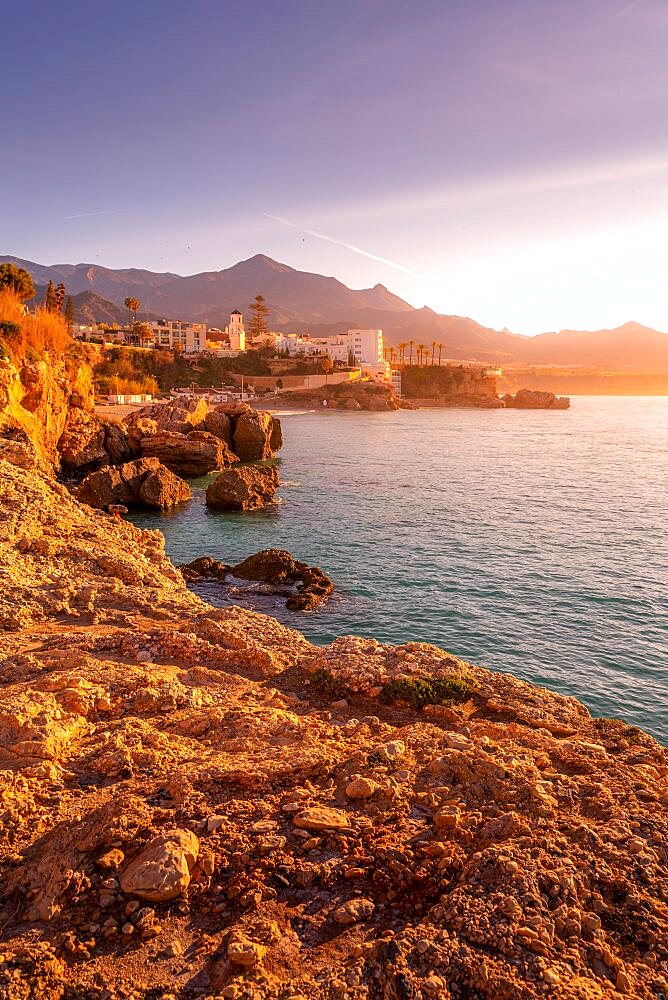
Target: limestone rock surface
[
  {"x": 192, "y": 454},
  {"x": 142, "y": 483},
  {"x": 243, "y": 488}
]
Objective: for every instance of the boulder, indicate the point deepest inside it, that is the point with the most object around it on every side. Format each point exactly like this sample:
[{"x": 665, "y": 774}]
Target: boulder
[
  {"x": 181, "y": 417},
  {"x": 278, "y": 566},
  {"x": 243, "y": 488},
  {"x": 270, "y": 566},
  {"x": 218, "y": 423},
  {"x": 116, "y": 444},
  {"x": 161, "y": 871},
  {"x": 535, "y": 399},
  {"x": 276, "y": 435},
  {"x": 252, "y": 435},
  {"x": 81, "y": 445},
  {"x": 142, "y": 483},
  {"x": 204, "y": 568},
  {"x": 17, "y": 448},
  {"x": 193, "y": 454}
]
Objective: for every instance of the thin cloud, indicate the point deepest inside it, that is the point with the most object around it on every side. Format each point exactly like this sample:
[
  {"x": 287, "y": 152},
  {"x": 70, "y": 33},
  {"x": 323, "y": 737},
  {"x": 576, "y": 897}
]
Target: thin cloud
[
  {"x": 629, "y": 7},
  {"x": 350, "y": 246},
  {"x": 88, "y": 215}
]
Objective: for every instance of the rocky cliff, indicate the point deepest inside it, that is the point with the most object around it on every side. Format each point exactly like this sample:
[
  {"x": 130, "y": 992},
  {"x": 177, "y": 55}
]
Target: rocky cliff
[{"x": 198, "y": 802}]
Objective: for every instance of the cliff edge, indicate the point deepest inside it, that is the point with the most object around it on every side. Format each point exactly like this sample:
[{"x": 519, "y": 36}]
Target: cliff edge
[{"x": 198, "y": 802}]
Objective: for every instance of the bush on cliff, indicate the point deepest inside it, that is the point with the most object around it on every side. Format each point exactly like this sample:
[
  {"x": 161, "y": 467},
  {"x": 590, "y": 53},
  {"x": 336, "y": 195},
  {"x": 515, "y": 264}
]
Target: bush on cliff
[{"x": 422, "y": 691}]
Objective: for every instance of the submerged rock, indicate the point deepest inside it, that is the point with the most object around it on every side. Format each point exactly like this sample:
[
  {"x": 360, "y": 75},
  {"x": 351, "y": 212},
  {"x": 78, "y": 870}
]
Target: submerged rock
[
  {"x": 204, "y": 568},
  {"x": 245, "y": 488},
  {"x": 278, "y": 566}
]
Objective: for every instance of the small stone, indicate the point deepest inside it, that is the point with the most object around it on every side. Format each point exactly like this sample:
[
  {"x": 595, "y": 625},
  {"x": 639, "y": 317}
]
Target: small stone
[
  {"x": 354, "y": 911},
  {"x": 173, "y": 949},
  {"x": 361, "y": 788},
  {"x": 111, "y": 860},
  {"x": 214, "y": 822},
  {"x": 322, "y": 818},
  {"x": 243, "y": 952}
]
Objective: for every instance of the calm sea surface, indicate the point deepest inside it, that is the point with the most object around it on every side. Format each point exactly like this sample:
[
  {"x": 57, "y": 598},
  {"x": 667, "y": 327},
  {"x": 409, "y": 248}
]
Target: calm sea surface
[{"x": 530, "y": 542}]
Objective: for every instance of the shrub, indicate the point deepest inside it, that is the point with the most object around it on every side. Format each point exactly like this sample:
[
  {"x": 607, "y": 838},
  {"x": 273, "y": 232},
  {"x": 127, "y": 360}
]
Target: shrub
[
  {"x": 328, "y": 684},
  {"x": 421, "y": 691}
]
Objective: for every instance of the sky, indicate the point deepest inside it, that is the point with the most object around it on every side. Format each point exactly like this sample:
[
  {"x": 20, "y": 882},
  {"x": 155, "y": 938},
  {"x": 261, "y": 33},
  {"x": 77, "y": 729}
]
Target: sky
[{"x": 502, "y": 160}]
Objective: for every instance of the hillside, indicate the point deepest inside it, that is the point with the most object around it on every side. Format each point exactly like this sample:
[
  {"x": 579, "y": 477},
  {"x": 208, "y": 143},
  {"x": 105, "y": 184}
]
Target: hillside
[
  {"x": 294, "y": 296},
  {"x": 303, "y": 301}
]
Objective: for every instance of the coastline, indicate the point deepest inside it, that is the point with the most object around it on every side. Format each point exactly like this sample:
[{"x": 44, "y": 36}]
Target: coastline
[{"x": 156, "y": 711}]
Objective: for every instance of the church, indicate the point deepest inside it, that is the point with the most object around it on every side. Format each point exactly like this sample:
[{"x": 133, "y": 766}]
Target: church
[{"x": 235, "y": 332}]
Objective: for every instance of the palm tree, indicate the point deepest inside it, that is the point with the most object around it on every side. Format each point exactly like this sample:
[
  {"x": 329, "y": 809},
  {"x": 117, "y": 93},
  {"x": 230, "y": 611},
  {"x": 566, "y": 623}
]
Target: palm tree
[
  {"x": 433, "y": 351},
  {"x": 410, "y": 356},
  {"x": 420, "y": 352},
  {"x": 132, "y": 305},
  {"x": 427, "y": 355},
  {"x": 440, "y": 348},
  {"x": 402, "y": 348}
]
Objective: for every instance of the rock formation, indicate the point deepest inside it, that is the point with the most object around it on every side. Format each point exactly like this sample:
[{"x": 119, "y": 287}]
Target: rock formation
[
  {"x": 279, "y": 567},
  {"x": 361, "y": 395},
  {"x": 274, "y": 566},
  {"x": 253, "y": 431},
  {"x": 193, "y": 454},
  {"x": 198, "y": 802},
  {"x": 142, "y": 483},
  {"x": 244, "y": 488},
  {"x": 535, "y": 399}
]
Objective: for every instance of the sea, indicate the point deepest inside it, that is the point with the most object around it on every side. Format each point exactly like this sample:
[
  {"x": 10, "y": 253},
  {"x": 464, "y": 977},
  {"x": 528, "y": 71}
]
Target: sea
[{"x": 527, "y": 541}]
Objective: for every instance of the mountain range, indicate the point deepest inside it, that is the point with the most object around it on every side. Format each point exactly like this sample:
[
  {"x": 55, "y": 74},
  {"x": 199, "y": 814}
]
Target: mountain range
[{"x": 302, "y": 301}]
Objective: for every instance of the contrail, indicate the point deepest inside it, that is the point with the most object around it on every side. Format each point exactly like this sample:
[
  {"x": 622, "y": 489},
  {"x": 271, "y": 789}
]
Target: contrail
[
  {"x": 87, "y": 215},
  {"x": 350, "y": 246}
]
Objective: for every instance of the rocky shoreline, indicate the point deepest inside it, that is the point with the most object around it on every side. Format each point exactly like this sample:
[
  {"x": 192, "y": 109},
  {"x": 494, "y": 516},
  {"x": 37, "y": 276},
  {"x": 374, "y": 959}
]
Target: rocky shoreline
[{"x": 198, "y": 802}]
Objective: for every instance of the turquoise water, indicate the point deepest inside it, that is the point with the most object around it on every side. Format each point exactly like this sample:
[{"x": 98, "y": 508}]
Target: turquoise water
[{"x": 531, "y": 542}]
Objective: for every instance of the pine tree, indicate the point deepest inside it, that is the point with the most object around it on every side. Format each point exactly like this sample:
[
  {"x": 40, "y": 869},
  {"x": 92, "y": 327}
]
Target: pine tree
[
  {"x": 69, "y": 312},
  {"x": 259, "y": 311},
  {"x": 50, "y": 298},
  {"x": 60, "y": 297}
]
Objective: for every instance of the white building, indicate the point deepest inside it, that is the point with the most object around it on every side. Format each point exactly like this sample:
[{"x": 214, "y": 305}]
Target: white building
[
  {"x": 236, "y": 332},
  {"x": 170, "y": 333},
  {"x": 361, "y": 348}
]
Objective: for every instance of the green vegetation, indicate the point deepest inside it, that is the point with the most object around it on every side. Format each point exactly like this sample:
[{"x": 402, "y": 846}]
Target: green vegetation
[
  {"x": 423, "y": 691},
  {"x": 616, "y": 727},
  {"x": 17, "y": 281},
  {"x": 173, "y": 368},
  {"x": 328, "y": 684}
]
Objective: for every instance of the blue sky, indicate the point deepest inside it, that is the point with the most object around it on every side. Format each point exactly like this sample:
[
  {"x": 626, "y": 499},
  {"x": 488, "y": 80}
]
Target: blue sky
[{"x": 507, "y": 160}]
